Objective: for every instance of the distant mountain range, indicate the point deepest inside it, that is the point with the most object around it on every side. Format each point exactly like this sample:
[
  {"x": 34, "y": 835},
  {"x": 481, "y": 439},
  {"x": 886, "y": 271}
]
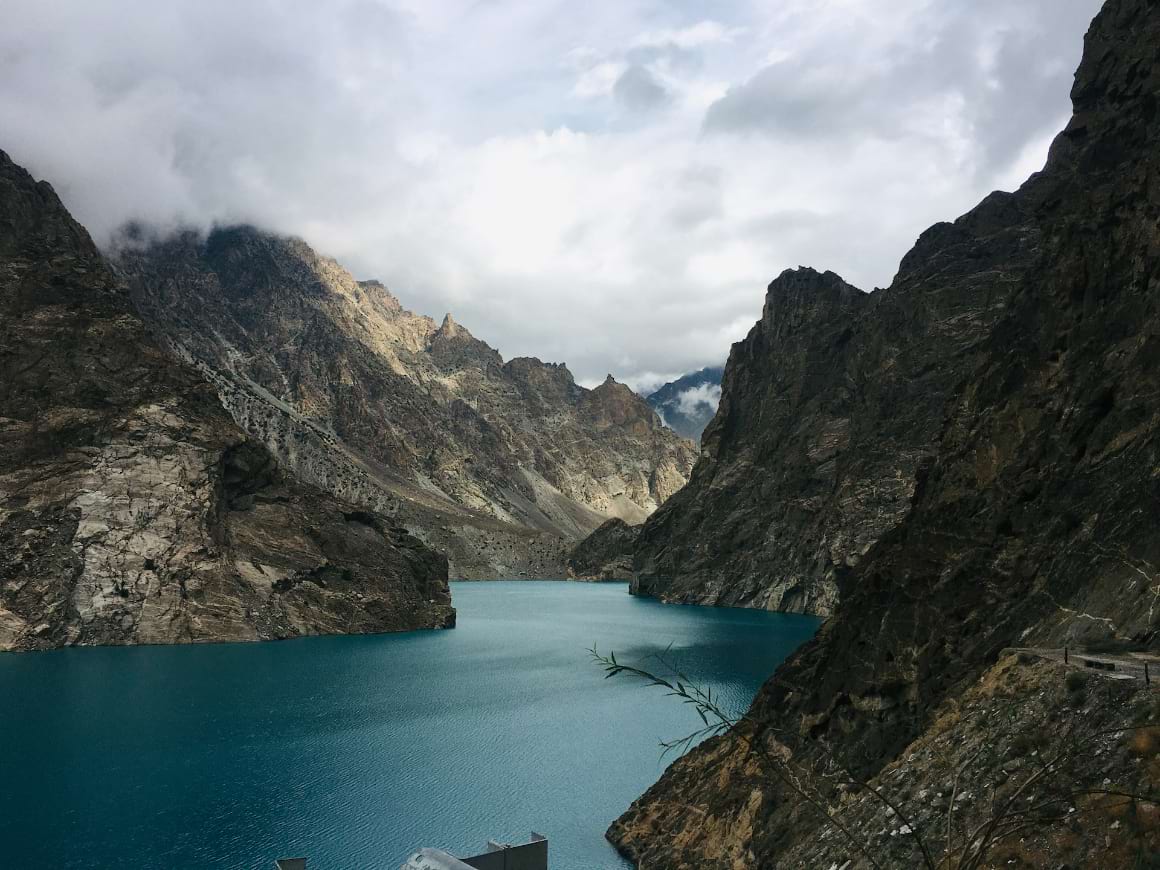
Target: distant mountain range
[
  {"x": 687, "y": 404},
  {"x": 501, "y": 465}
]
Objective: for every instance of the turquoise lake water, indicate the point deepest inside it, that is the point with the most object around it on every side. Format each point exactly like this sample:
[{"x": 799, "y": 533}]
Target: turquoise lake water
[{"x": 355, "y": 751}]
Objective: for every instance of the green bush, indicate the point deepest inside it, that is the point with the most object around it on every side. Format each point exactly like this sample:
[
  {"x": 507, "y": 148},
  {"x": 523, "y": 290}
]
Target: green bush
[{"x": 1076, "y": 681}]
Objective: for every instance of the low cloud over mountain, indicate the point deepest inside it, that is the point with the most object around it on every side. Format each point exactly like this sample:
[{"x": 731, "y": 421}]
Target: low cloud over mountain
[{"x": 607, "y": 185}]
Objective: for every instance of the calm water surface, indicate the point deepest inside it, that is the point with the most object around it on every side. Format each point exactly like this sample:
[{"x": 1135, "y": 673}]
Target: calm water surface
[{"x": 357, "y": 750}]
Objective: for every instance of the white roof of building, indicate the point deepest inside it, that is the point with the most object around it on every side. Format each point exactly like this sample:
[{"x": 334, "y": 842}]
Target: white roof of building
[{"x": 434, "y": 859}]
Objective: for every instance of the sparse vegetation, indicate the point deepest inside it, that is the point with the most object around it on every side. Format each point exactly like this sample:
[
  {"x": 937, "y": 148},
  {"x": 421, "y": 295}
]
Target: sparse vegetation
[
  {"x": 1076, "y": 681},
  {"x": 1050, "y": 792}
]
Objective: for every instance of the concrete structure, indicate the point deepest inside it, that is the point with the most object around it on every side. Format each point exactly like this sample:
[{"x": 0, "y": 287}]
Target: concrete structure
[{"x": 532, "y": 855}]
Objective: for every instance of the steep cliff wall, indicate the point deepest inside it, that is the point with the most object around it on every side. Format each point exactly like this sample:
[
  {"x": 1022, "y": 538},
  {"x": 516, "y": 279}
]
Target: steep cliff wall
[
  {"x": 1011, "y": 374},
  {"x": 829, "y": 408},
  {"x": 132, "y": 508},
  {"x": 606, "y": 554},
  {"x": 502, "y": 465}
]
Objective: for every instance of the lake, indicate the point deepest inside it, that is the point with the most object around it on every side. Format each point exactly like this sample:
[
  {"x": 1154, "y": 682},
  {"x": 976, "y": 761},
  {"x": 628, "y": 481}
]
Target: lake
[{"x": 355, "y": 751}]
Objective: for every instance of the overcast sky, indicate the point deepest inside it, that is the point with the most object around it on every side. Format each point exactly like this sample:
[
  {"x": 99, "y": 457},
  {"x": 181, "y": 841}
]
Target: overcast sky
[{"x": 610, "y": 184}]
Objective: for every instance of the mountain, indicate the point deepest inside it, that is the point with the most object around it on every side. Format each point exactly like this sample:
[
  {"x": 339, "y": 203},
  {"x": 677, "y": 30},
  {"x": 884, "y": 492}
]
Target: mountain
[
  {"x": 132, "y": 508},
  {"x": 606, "y": 554},
  {"x": 966, "y": 461},
  {"x": 687, "y": 404},
  {"x": 501, "y": 465}
]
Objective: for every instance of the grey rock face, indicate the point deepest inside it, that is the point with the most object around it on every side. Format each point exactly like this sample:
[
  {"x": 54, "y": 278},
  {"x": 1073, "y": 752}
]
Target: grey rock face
[
  {"x": 977, "y": 469},
  {"x": 132, "y": 509},
  {"x": 501, "y": 465},
  {"x": 829, "y": 407},
  {"x": 606, "y": 554}
]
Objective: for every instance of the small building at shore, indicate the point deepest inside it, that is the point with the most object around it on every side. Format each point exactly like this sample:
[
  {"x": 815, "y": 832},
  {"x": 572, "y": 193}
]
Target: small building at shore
[{"x": 532, "y": 855}]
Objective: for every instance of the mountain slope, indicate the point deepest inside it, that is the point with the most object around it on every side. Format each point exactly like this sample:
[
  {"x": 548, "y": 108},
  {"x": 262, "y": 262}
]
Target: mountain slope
[
  {"x": 606, "y": 554},
  {"x": 829, "y": 408},
  {"x": 1021, "y": 510},
  {"x": 687, "y": 404},
  {"x": 501, "y": 465},
  {"x": 132, "y": 509}
]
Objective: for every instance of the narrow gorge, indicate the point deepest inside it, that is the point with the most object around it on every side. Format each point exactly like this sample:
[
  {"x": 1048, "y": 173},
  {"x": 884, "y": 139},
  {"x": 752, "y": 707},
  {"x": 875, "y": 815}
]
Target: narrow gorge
[{"x": 916, "y": 526}]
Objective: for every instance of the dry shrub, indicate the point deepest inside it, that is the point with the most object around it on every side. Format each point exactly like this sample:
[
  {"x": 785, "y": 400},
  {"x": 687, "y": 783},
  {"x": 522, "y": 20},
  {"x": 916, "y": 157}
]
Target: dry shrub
[
  {"x": 1013, "y": 854},
  {"x": 947, "y": 720},
  {"x": 1145, "y": 742}
]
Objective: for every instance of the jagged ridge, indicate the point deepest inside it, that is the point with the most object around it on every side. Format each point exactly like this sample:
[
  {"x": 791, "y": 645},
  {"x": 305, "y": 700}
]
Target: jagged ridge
[
  {"x": 132, "y": 509},
  {"x": 502, "y": 465},
  {"x": 1023, "y": 513}
]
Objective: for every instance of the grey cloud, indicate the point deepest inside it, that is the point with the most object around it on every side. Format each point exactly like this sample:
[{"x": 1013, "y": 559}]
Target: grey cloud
[
  {"x": 200, "y": 111},
  {"x": 782, "y": 99},
  {"x": 695, "y": 398},
  {"x": 638, "y": 89},
  {"x": 671, "y": 55},
  {"x": 442, "y": 151},
  {"x": 699, "y": 197},
  {"x": 1032, "y": 77},
  {"x": 1007, "y": 64}
]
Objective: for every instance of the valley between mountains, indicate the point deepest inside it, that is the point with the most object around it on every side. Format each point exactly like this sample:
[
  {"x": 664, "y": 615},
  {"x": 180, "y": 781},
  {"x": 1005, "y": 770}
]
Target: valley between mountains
[
  {"x": 227, "y": 437},
  {"x": 501, "y": 465},
  {"x": 224, "y": 435}
]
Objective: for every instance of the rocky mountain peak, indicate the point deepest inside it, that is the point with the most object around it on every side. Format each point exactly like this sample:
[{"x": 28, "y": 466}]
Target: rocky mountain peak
[
  {"x": 132, "y": 508},
  {"x": 34, "y": 221},
  {"x": 454, "y": 347},
  {"x": 379, "y": 291},
  {"x": 610, "y": 389},
  {"x": 552, "y": 381},
  {"x": 961, "y": 463},
  {"x": 503, "y": 465},
  {"x": 613, "y": 404},
  {"x": 800, "y": 297}
]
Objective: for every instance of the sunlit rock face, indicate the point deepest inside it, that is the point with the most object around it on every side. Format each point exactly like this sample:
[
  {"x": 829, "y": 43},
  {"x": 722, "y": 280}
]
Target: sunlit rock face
[
  {"x": 962, "y": 462},
  {"x": 502, "y": 465},
  {"x": 132, "y": 508}
]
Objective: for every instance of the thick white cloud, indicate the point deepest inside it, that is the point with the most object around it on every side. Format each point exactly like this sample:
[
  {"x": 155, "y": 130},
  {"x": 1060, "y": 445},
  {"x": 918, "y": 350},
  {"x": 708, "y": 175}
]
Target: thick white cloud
[
  {"x": 606, "y": 184},
  {"x": 700, "y": 398}
]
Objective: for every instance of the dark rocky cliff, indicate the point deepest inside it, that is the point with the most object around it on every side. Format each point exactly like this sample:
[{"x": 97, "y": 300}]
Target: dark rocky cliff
[
  {"x": 500, "y": 465},
  {"x": 970, "y": 457},
  {"x": 829, "y": 409},
  {"x": 606, "y": 554},
  {"x": 132, "y": 508}
]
